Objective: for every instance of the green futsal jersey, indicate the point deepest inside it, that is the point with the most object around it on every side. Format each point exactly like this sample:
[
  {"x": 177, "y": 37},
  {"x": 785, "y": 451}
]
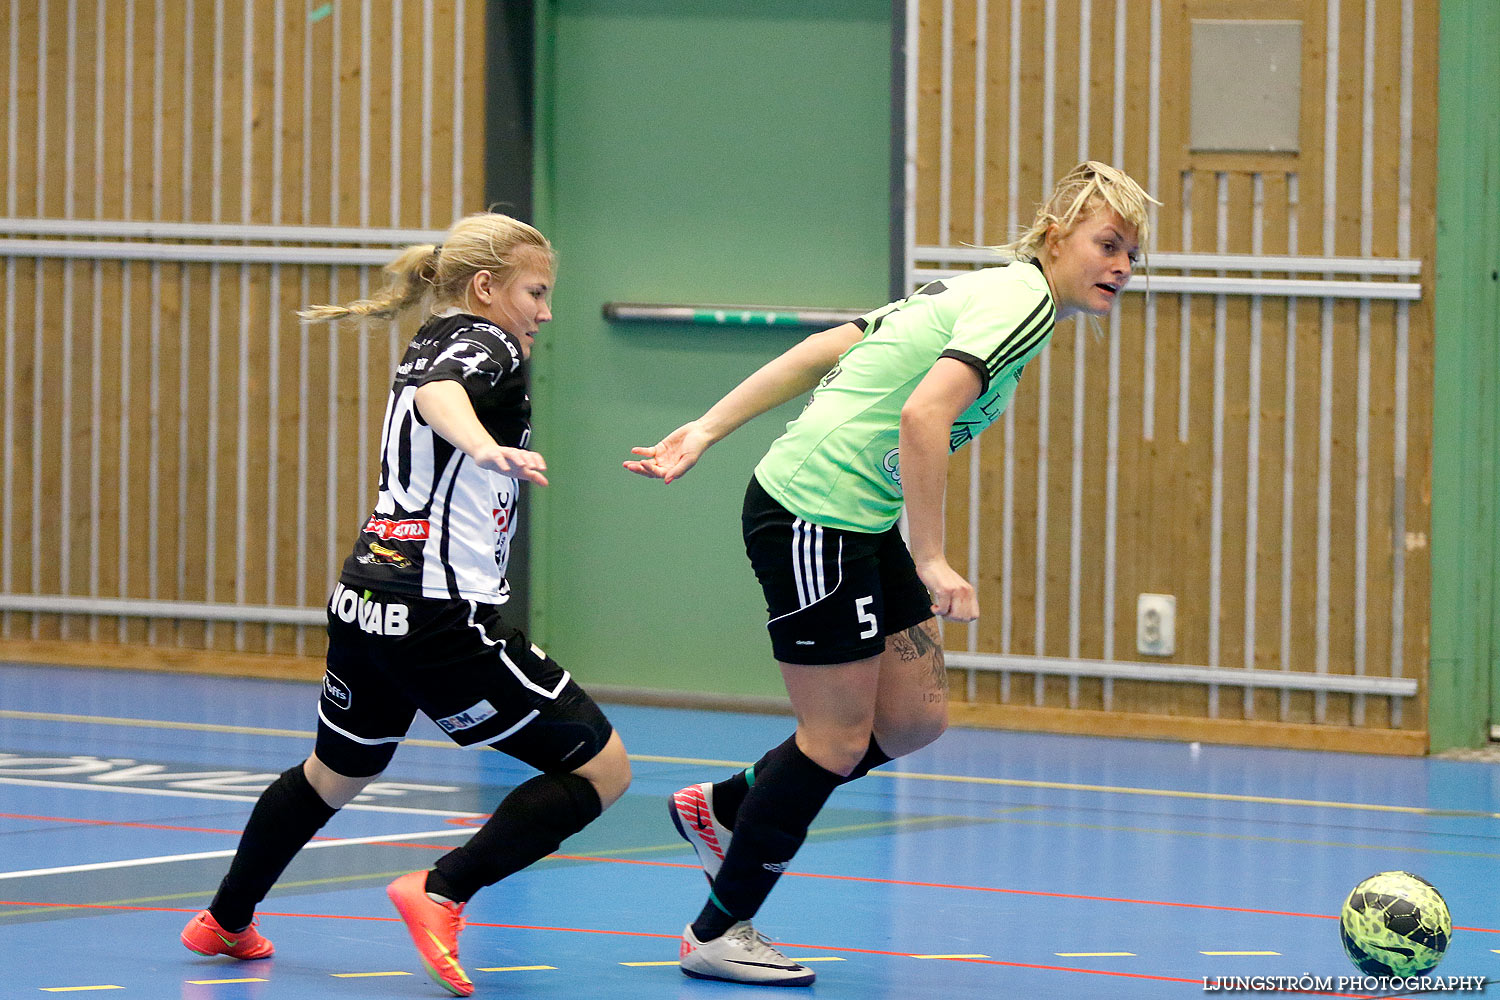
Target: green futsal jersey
[{"x": 838, "y": 464}]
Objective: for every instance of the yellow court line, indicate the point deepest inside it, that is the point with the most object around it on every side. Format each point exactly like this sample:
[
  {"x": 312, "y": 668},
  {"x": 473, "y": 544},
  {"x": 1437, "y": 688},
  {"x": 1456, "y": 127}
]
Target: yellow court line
[
  {"x": 517, "y": 968},
  {"x": 888, "y": 824},
  {"x": 109, "y": 720},
  {"x": 950, "y": 956},
  {"x": 223, "y": 982},
  {"x": 76, "y": 989},
  {"x": 365, "y": 975},
  {"x": 1255, "y": 838},
  {"x": 1172, "y": 793},
  {"x": 1094, "y": 954},
  {"x": 644, "y": 965},
  {"x": 1221, "y": 953},
  {"x": 1067, "y": 786}
]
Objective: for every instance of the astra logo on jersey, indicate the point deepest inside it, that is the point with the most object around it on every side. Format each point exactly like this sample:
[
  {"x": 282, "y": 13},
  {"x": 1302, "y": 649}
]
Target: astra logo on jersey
[
  {"x": 468, "y": 718},
  {"x": 373, "y": 616},
  {"x": 336, "y": 690},
  {"x": 385, "y": 529}
]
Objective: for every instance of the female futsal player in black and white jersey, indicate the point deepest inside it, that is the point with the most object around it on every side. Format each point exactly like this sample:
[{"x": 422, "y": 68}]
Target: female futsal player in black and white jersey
[{"x": 414, "y": 622}]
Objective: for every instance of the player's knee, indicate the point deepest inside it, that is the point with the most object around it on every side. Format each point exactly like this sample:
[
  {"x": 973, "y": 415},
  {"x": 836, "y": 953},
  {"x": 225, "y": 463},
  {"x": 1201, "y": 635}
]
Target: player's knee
[
  {"x": 838, "y": 751},
  {"x": 335, "y": 789},
  {"x": 608, "y": 772},
  {"x": 913, "y": 730},
  {"x": 933, "y": 724}
]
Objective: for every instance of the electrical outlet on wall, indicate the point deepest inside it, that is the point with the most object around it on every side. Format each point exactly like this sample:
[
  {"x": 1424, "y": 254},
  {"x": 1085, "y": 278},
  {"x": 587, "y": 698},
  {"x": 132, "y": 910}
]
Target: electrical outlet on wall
[{"x": 1156, "y": 624}]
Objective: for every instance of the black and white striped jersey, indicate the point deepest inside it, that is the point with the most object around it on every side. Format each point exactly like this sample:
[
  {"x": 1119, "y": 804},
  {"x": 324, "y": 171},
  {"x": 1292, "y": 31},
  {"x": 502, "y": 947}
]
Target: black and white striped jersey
[{"x": 442, "y": 527}]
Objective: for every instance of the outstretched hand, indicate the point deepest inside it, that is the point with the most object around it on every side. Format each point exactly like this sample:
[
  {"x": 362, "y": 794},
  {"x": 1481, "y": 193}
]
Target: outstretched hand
[
  {"x": 672, "y": 456},
  {"x": 517, "y": 462}
]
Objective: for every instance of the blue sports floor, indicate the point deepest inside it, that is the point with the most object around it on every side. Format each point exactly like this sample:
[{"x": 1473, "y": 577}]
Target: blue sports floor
[{"x": 991, "y": 865}]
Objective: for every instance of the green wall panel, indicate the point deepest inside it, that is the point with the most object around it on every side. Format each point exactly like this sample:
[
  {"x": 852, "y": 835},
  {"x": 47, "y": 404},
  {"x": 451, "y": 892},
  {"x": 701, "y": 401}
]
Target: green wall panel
[
  {"x": 733, "y": 152},
  {"x": 1465, "y": 671}
]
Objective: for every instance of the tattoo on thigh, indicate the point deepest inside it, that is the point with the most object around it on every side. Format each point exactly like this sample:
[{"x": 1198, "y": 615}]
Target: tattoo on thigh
[
  {"x": 921, "y": 642},
  {"x": 914, "y": 643}
]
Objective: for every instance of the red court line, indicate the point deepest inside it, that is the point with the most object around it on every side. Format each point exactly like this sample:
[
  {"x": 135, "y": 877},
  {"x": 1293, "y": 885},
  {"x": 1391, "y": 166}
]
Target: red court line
[
  {"x": 1013, "y": 892},
  {"x": 818, "y": 875},
  {"x": 666, "y": 937},
  {"x": 115, "y": 822}
]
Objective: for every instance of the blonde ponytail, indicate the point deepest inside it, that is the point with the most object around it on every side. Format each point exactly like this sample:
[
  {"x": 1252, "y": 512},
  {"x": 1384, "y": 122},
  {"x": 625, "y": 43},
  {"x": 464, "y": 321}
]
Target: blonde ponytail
[
  {"x": 412, "y": 274},
  {"x": 438, "y": 275}
]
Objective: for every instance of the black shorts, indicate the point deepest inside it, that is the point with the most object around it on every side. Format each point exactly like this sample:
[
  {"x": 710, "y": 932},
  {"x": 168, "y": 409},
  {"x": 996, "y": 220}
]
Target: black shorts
[
  {"x": 482, "y": 682},
  {"x": 832, "y": 596}
]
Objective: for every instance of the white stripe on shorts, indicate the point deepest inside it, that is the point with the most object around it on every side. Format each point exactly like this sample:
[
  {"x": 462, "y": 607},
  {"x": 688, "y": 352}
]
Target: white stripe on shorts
[
  {"x": 803, "y": 541},
  {"x": 810, "y": 592},
  {"x": 807, "y": 562},
  {"x": 520, "y": 675},
  {"x": 509, "y": 732},
  {"x": 357, "y": 739}
]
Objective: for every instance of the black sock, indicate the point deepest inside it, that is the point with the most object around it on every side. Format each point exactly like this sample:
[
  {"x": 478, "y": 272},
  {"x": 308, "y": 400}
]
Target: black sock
[
  {"x": 285, "y": 818},
  {"x": 730, "y": 793},
  {"x": 529, "y": 824},
  {"x": 873, "y": 758},
  {"x": 788, "y": 791}
]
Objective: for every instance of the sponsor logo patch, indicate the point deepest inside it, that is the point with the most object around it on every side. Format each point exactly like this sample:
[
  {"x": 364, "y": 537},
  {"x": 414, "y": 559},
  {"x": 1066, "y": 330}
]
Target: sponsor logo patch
[
  {"x": 892, "y": 465},
  {"x": 385, "y": 529},
  {"x": 468, "y": 718},
  {"x": 336, "y": 690},
  {"x": 385, "y": 556},
  {"x": 373, "y": 616}
]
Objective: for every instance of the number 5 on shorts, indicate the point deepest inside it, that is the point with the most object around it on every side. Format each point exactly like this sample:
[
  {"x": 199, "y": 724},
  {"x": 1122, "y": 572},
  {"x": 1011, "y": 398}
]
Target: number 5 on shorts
[{"x": 861, "y": 609}]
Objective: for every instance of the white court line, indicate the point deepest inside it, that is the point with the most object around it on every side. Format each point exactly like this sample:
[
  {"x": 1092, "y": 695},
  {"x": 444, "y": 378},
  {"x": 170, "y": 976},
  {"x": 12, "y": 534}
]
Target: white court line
[
  {"x": 170, "y": 858},
  {"x": 224, "y": 797}
]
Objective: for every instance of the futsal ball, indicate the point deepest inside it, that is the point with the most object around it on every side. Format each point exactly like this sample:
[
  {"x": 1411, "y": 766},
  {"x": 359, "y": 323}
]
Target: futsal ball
[{"x": 1395, "y": 924}]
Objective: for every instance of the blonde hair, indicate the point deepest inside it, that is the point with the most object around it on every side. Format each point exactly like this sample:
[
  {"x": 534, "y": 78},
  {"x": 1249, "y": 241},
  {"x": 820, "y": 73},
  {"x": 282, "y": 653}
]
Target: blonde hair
[
  {"x": 439, "y": 274},
  {"x": 1085, "y": 189}
]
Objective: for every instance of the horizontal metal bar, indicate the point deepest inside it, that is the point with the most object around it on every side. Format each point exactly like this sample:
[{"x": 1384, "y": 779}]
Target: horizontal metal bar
[
  {"x": 187, "y": 610},
  {"x": 729, "y": 315},
  {"x": 1274, "y": 287},
  {"x": 239, "y": 233},
  {"x": 1295, "y": 680},
  {"x": 194, "y": 253},
  {"x": 1212, "y": 262}
]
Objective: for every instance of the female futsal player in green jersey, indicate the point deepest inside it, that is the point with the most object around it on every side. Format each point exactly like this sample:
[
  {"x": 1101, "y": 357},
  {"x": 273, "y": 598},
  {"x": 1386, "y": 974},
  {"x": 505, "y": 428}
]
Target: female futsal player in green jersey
[{"x": 851, "y": 607}]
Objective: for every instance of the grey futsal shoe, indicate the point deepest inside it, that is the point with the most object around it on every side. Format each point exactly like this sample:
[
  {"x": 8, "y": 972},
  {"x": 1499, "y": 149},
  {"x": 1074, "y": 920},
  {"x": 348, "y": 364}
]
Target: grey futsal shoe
[{"x": 740, "y": 955}]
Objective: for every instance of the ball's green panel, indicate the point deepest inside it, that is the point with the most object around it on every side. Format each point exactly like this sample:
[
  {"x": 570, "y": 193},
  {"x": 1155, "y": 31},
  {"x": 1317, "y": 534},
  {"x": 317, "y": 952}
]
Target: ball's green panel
[{"x": 1395, "y": 924}]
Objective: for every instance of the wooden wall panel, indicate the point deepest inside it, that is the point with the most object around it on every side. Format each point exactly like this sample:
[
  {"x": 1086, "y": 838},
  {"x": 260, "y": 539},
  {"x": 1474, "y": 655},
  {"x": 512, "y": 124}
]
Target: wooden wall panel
[
  {"x": 172, "y": 432},
  {"x": 1320, "y": 449}
]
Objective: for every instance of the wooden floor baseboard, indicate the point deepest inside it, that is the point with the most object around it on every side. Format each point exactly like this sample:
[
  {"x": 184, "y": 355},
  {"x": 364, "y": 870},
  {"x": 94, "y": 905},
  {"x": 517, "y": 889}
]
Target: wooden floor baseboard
[
  {"x": 1243, "y": 732},
  {"x": 270, "y": 666}
]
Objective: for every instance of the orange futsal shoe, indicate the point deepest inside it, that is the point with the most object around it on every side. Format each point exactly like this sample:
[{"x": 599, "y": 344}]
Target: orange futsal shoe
[
  {"x": 204, "y": 935},
  {"x": 434, "y": 928}
]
